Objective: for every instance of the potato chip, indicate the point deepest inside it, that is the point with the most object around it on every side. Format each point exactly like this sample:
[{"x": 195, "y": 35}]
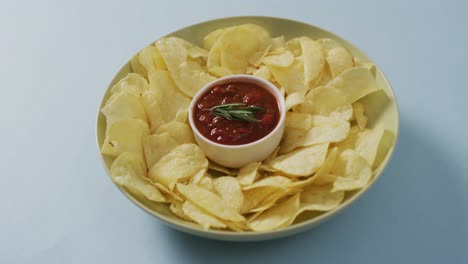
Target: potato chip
[
  {"x": 279, "y": 60},
  {"x": 207, "y": 183},
  {"x": 180, "y": 132},
  {"x": 121, "y": 106},
  {"x": 129, "y": 170},
  {"x": 361, "y": 119},
  {"x": 263, "y": 72},
  {"x": 299, "y": 121},
  {"x": 277, "y": 45},
  {"x": 291, "y": 77},
  {"x": 271, "y": 181},
  {"x": 275, "y": 217},
  {"x": 353, "y": 171},
  {"x": 220, "y": 71},
  {"x": 221, "y": 169},
  {"x": 132, "y": 83},
  {"x": 189, "y": 74},
  {"x": 230, "y": 191},
  {"x": 243, "y": 45},
  {"x": 163, "y": 101},
  {"x": 323, "y": 130},
  {"x": 294, "y": 99},
  {"x": 339, "y": 60},
  {"x": 301, "y": 162},
  {"x": 323, "y": 100},
  {"x": 344, "y": 112},
  {"x": 137, "y": 67},
  {"x": 322, "y": 176},
  {"x": 248, "y": 173},
  {"x": 365, "y": 142},
  {"x": 266, "y": 164},
  {"x": 209, "y": 202},
  {"x": 181, "y": 163},
  {"x": 176, "y": 208},
  {"x": 157, "y": 146},
  {"x": 198, "y": 215},
  {"x": 294, "y": 45},
  {"x": 314, "y": 60},
  {"x": 320, "y": 198},
  {"x": 195, "y": 52},
  {"x": 125, "y": 136},
  {"x": 182, "y": 116},
  {"x": 259, "y": 197},
  {"x": 197, "y": 178},
  {"x": 328, "y": 44},
  {"x": 151, "y": 60},
  {"x": 210, "y": 39},
  {"x": 171, "y": 195}
]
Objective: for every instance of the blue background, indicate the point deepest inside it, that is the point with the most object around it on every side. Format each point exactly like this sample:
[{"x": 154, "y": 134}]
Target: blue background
[{"x": 58, "y": 206}]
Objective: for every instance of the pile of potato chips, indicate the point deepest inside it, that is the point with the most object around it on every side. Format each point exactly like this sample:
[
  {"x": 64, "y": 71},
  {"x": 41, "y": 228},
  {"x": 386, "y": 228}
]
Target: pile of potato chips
[{"x": 326, "y": 149}]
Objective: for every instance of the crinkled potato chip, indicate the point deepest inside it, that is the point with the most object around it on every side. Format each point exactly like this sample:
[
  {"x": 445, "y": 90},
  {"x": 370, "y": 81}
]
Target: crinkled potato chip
[
  {"x": 199, "y": 216},
  {"x": 301, "y": 162},
  {"x": 209, "y": 202},
  {"x": 129, "y": 170},
  {"x": 181, "y": 163},
  {"x": 125, "y": 136},
  {"x": 353, "y": 171},
  {"x": 189, "y": 74},
  {"x": 275, "y": 217},
  {"x": 157, "y": 146},
  {"x": 230, "y": 191},
  {"x": 248, "y": 173}
]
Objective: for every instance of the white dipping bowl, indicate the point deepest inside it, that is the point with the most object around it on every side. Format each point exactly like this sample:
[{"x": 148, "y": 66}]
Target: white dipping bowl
[{"x": 235, "y": 156}]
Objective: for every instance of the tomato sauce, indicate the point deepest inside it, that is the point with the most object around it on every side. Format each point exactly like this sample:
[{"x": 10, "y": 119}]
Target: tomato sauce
[{"x": 236, "y": 132}]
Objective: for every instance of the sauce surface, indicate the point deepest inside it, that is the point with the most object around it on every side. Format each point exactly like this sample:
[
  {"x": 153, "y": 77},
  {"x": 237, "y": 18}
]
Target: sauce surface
[{"x": 236, "y": 132}]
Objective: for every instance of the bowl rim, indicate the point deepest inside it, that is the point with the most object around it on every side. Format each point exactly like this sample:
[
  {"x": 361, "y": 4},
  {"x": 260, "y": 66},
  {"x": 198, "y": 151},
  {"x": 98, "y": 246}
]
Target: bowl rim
[
  {"x": 246, "y": 78},
  {"x": 251, "y": 235}
]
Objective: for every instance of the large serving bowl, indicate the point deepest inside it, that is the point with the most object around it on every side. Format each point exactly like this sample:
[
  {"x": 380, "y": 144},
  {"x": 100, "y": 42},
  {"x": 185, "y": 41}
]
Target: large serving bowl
[{"x": 381, "y": 109}]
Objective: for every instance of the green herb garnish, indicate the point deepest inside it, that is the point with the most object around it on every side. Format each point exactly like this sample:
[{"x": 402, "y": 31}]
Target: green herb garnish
[{"x": 236, "y": 111}]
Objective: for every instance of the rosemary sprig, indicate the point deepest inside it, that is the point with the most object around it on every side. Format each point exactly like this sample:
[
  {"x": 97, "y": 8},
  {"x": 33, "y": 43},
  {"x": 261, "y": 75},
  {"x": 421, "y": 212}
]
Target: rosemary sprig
[{"x": 236, "y": 111}]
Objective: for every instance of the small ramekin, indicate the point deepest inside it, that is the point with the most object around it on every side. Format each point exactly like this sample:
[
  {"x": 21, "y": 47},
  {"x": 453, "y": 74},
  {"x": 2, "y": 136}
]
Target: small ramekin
[{"x": 236, "y": 156}]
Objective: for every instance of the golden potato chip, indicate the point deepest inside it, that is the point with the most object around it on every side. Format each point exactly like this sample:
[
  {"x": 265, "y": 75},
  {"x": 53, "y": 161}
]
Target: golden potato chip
[
  {"x": 198, "y": 177},
  {"x": 176, "y": 208},
  {"x": 207, "y": 183},
  {"x": 129, "y": 170},
  {"x": 279, "y": 60},
  {"x": 272, "y": 200},
  {"x": 323, "y": 130},
  {"x": 352, "y": 170},
  {"x": 291, "y": 77},
  {"x": 322, "y": 176},
  {"x": 157, "y": 146},
  {"x": 242, "y": 45},
  {"x": 299, "y": 121},
  {"x": 263, "y": 72},
  {"x": 365, "y": 142},
  {"x": 328, "y": 44},
  {"x": 361, "y": 119},
  {"x": 220, "y": 71},
  {"x": 125, "y": 136},
  {"x": 248, "y": 173},
  {"x": 275, "y": 217},
  {"x": 199, "y": 216},
  {"x": 209, "y": 202},
  {"x": 137, "y": 67},
  {"x": 294, "y": 45},
  {"x": 356, "y": 82},
  {"x": 339, "y": 60},
  {"x": 294, "y": 99},
  {"x": 173, "y": 196},
  {"x": 301, "y": 162},
  {"x": 277, "y": 45},
  {"x": 182, "y": 116},
  {"x": 344, "y": 112},
  {"x": 271, "y": 181},
  {"x": 259, "y": 197},
  {"x": 230, "y": 191},
  {"x": 323, "y": 100},
  {"x": 221, "y": 169},
  {"x": 189, "y": 74},
  {"x": 180, "y": 132},
  {"x": 320, "y": 198},
  {"x": 181, "y": 163},
  {"x": 163, "y": 101},
  {"x": 314, "y": 60},
  {"x": 210, "y": 39},
  {"x": 195, "y": 52},
  {"x": 132, "y": 83},
  {"x": 121, "y": 106},
  {"x": 151, "y": 60},
  {"x": 266, "y": 164}
]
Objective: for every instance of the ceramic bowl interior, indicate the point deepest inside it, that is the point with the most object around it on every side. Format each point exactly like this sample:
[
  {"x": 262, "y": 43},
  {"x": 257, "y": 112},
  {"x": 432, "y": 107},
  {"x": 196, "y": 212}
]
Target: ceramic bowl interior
[{"x": 381, "y": 109}]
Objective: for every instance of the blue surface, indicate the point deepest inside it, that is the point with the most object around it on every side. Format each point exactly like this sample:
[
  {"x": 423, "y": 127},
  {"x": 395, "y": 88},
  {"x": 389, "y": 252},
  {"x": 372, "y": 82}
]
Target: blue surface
[{"x": 58, "y": 206}]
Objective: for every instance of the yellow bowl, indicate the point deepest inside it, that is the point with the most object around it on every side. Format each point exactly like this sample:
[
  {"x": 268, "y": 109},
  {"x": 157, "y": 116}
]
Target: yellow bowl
[{"x": 381, "y": 109}]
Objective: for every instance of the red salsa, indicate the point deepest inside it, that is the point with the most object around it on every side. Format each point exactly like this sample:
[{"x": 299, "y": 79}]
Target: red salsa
[{"x": 236, "y": 132}]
